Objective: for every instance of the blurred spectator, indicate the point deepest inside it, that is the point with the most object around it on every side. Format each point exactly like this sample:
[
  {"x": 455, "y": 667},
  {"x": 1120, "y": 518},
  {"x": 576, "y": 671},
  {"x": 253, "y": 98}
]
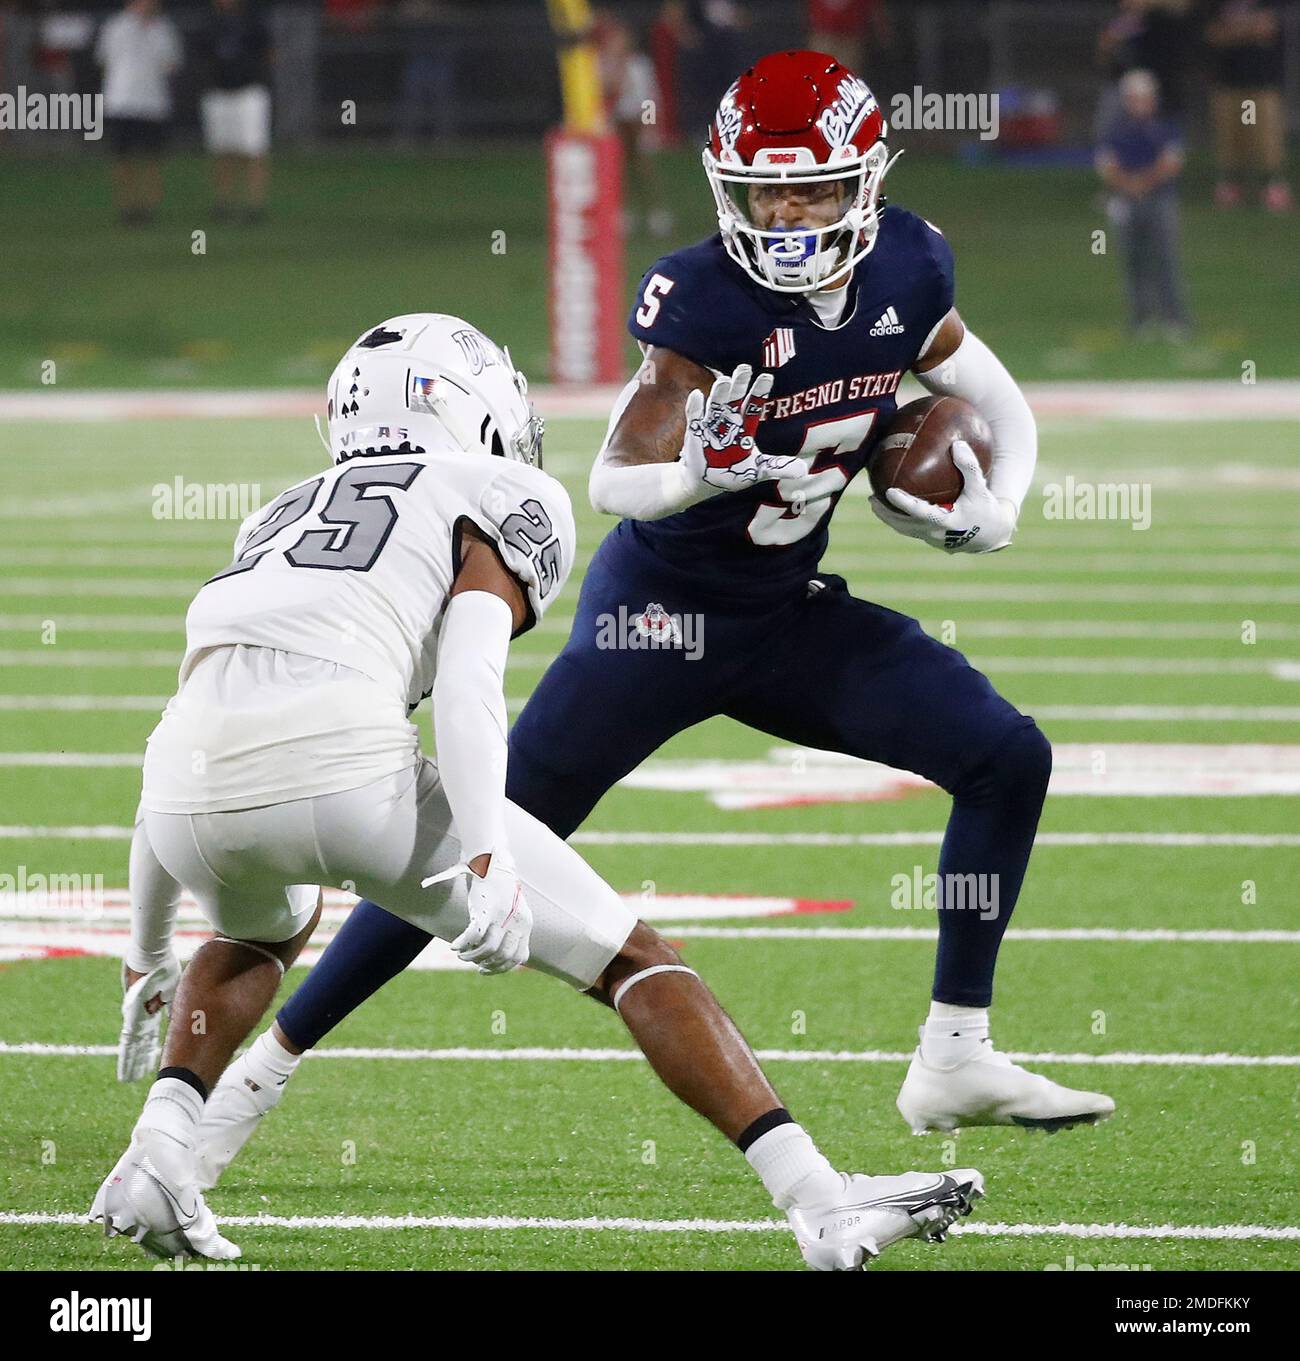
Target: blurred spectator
[
  {"x": 428, "y": 93},
  {"x": 234, "y": 48},
  {"x": 356, "y": 15},
  {"x": 61, "y": 34},
  {"x": 841, "y": 28},
  {"x": 1145, "y": 35},
  {"x": 140, "y": 51},
  {"x": 1245, "y": 38},
  {"x": 710, "y": 60},
  {"x": 668, "y": 34},
  {"x": 631, "y": 96},
  {"x": 1139, "y": 160}
]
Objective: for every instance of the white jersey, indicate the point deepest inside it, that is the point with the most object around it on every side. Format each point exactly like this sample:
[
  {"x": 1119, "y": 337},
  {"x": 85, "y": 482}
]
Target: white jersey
[
  {"x": 139, "y": 57},
  {"x": 353, "y": 569}
]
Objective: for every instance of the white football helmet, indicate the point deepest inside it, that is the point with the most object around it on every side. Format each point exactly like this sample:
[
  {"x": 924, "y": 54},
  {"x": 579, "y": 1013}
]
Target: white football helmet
[{"x": 430, "y": 383}]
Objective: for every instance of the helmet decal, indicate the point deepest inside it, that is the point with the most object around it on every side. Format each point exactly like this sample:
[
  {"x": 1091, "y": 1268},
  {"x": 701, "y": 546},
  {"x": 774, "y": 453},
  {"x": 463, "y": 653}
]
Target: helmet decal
[
  {"x": 730, "y": 119},
  {"x": 840, "y": 123},
  {"x": 480, "y": 353},
  {"x": 380, "y": 336}
]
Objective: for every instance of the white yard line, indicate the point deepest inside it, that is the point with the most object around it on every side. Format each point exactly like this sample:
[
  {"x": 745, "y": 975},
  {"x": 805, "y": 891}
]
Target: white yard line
[
  {"x": 948, "y": 589},
  {"x": 1130, "y": 935},
  {"x": 539, "y": 1054},
  {"x": 595, "y": 1224},
  {"x": 1284, "y": 669},
  {"x": 73, "y": 704},
  {"x": 799, "y": 776},
  {"x": 61, "y": 587},
  {"x": 88, "y": 760},
  {"x": 123, "y": 623},
  {"x": 1101, "y": 713},
  {"x": 944, "y": 588},
  {"x": 1228, "y": 632},
  {"x": 1167, "y": 713},
  {"x": 820, "y": 840},
  {"x": 1142, "y": 666},
  {"x": 56, "y": 656},
  {"x": 1046, "y": 560},
  {"x": 197, "y": 559}
]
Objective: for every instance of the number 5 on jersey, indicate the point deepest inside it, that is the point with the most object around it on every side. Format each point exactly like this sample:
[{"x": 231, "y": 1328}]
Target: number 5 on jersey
[
  {"x": 657, "y": 288},
  {"x": 806, "y": 501}
]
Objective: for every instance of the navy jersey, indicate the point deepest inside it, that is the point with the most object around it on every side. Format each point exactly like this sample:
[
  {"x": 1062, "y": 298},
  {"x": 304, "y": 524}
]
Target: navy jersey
[{"x": 833, "y": 393}]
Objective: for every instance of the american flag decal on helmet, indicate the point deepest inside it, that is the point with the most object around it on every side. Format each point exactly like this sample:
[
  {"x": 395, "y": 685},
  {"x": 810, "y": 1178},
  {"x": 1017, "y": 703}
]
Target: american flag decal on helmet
[
  {"x": 423, "y": 394},
  {"x": 778, "y": 348}
]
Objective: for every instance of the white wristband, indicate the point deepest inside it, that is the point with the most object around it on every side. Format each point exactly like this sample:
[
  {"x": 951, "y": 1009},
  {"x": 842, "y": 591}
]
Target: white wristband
[{"x": 643, "y": 491}]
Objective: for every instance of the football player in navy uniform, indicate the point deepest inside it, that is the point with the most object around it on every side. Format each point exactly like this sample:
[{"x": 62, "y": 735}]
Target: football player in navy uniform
[{"x": 724, "y": 484}]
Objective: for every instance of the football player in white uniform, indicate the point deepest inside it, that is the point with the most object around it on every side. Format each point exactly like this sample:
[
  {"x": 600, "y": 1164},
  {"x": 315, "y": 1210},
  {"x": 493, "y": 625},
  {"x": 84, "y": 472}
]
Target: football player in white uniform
[{"x": 287, "y": 756}]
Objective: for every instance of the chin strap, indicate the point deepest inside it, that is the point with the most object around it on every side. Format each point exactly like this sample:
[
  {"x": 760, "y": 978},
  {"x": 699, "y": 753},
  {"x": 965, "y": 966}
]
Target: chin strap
[{"x": 320, "y": 434}]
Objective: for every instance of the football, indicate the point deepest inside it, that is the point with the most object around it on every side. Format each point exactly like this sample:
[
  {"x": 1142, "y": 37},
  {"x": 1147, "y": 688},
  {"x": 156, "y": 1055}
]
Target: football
[{"x": 913, "y": 454}]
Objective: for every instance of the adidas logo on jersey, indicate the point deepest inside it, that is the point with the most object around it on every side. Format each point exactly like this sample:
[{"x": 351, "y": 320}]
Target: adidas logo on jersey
[{"x": 888, "y": 324}]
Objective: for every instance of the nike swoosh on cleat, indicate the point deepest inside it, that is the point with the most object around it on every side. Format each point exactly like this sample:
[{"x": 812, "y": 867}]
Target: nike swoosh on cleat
[
  {"x": 186, "y": 1217},
  {"x": 918, "y": 1199}
]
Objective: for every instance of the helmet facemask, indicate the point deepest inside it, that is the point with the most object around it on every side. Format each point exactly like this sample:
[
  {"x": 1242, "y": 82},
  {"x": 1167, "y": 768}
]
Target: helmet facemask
[{"x": 842, "y": 202}]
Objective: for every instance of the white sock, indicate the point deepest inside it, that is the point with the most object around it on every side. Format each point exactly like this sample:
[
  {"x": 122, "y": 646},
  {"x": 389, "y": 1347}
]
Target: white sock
[
  {"x": 793, "y": 1168},
  {"x": 952, "y": 1034},
  {"x": 174, "y": 1107},
  {"x": 268, "y": 1063}
]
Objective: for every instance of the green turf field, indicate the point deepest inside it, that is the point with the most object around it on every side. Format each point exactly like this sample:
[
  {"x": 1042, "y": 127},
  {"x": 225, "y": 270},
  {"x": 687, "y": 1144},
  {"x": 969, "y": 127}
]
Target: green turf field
[
  {"x": 1151, "y": 621},
  {"x": 140, "y": 308}
]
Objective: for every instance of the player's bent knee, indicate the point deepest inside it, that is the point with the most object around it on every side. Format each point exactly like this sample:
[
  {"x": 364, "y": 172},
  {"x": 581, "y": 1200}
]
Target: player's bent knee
[
  {"x": 644, "y": 949},
  {"x": 1018, "y": 767},
  {"x": 1032, "y": 756}
]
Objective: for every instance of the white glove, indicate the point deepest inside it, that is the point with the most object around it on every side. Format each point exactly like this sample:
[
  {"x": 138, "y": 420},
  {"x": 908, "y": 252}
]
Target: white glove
[
  {"x": 139, "y": 1047},
  {"x": 500, "y": 920},
  {"x": 978, "y": 522},
  {"x": 719, "y": 450}
]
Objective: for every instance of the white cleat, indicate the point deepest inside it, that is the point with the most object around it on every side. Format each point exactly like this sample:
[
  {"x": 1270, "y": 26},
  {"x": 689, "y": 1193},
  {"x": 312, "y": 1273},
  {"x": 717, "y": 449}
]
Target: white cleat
[
  {"x": 150, "y": 1196},
  {"x": 988, "y": 1089},
  {"x": 230, "y": 1119},
  {"x": 873, "y": 1212}
]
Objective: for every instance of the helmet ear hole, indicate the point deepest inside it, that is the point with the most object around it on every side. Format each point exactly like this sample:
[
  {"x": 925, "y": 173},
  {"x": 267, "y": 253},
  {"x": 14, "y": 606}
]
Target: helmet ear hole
[{"x": 498, "y": 449}]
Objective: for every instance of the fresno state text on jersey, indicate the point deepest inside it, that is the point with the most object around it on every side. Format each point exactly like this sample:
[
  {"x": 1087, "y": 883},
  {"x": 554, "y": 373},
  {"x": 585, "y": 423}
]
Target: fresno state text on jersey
[{"x": 833, "y": 392}]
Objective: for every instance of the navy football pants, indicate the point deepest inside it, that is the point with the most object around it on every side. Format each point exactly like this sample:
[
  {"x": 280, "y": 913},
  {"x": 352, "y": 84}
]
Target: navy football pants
[{"x": 827, "y": 671}]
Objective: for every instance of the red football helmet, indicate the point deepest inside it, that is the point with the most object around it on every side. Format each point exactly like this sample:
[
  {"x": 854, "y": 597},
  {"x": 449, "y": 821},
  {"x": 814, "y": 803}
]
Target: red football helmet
[{"x": 798, "y": 118}]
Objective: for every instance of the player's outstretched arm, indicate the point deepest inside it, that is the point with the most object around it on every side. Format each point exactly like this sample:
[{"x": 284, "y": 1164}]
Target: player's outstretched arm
[
  {"x": 150, "y": 971},
  {"x": 671, "y": 445},
  {"x": 487, "y": 605}
]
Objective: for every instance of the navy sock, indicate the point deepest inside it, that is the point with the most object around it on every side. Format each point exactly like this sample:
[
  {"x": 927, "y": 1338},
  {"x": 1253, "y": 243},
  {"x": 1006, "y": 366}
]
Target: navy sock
[
  {"x": 371, "y": 947},
  {"x": 989, "y": 837}
]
